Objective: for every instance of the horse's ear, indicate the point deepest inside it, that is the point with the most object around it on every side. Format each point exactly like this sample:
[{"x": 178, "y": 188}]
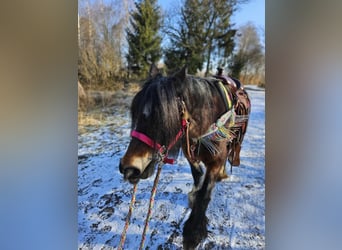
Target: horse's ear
[
  {"x": 154, "y": 71},
  {"x": 181, "y": 74}
]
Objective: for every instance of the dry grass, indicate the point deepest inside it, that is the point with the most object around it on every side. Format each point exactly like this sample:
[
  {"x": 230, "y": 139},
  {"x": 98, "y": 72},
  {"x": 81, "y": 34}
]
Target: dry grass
[
  {"x": 90, "y": 119},
  {"x": 101, "y": 98},
  {"x": 99, "y": 104}
]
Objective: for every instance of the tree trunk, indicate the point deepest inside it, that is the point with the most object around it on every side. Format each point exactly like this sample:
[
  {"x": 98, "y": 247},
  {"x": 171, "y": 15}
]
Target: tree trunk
[{"x": 208, "y": 59}]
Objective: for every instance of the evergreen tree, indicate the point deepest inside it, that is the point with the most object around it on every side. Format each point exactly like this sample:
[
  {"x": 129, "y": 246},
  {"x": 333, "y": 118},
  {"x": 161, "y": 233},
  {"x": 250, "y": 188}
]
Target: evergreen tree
[
  {"x": 144, "y": 42},
  {"x": 186, "y": 38},
  {"x": 218, "y": 31},
  {"x": 204, "y": 31},
  {"x": 184, "y": 49}
]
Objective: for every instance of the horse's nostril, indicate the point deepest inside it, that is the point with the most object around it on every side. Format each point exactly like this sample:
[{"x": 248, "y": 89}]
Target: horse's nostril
[{"x": 132, "y": 174}]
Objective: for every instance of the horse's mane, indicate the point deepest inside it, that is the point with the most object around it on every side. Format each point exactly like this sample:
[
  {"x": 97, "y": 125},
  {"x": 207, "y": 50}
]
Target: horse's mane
[{"x": 156, "y": 107}]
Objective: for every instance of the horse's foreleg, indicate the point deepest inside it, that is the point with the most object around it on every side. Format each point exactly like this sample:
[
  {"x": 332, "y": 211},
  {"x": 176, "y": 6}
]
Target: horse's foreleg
[
  {"x": 197, "y": 173},
  {"x": 195, "y": 228}
]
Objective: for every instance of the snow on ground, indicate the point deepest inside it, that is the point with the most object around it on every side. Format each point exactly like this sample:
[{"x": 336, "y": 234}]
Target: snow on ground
[{"x": 236, "y": 212}]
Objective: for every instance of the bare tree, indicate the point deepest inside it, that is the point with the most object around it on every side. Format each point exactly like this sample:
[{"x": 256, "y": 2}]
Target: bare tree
[
  {"x": 102, "y": 40},
  {"x": 249, "y": 60}
]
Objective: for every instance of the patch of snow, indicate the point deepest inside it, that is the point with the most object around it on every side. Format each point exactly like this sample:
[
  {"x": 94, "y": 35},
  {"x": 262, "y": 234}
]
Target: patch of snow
[{"x": 236, "y": 212}]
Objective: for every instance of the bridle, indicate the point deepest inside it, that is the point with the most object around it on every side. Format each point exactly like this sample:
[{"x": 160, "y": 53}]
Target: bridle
[{"x": 161, "y": 149}]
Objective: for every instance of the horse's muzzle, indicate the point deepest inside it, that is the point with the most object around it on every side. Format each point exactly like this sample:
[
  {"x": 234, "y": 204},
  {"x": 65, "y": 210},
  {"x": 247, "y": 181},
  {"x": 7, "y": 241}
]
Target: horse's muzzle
[
  {"x": 130, "y": 173},
  {"x": 133, "y": 174}
]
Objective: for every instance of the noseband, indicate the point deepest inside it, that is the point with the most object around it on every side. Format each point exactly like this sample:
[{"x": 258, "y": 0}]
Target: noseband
[{"x": 162, "y": 149}]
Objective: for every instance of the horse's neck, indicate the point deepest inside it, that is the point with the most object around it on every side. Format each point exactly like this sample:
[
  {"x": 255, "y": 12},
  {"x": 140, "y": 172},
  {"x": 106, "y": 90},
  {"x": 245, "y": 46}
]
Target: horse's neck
[
  {"x": 201, "y": 118},
  {"x": 204, "y": 103}
]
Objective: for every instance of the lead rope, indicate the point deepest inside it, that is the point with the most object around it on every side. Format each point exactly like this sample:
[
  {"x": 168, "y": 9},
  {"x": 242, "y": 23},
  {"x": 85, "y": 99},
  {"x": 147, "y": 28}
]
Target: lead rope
[
  {"x": 128, "y": 218},
  {"x": 149, "y": 212},
  {"x": 165, "y": 159}
]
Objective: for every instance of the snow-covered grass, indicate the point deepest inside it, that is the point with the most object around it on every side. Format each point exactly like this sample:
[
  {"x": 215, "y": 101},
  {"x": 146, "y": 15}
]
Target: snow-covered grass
[{"x": 236, "y": 212}]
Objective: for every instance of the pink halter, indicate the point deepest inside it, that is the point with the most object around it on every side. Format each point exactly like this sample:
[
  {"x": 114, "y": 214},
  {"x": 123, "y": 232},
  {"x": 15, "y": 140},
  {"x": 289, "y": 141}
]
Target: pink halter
[{"x": 163, "y": 150}]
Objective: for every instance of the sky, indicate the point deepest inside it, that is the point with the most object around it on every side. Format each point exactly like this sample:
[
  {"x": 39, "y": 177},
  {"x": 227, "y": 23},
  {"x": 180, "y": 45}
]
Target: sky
[{"x": 254, "y": 11}]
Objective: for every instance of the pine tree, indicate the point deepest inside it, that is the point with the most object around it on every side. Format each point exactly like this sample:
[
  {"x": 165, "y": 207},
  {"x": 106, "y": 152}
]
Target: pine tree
[
  {"x": 186, "y": 39},
  {"x": 204, "y": 31},
  {"x": 219, "y": 32},
  {"x": 144, "y": 41}
]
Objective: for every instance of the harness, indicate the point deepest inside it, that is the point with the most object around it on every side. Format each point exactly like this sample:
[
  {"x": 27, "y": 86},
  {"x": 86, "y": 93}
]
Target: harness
[
  {"x": 223, "y": 128},
  {"x": 227, "y": 98}
]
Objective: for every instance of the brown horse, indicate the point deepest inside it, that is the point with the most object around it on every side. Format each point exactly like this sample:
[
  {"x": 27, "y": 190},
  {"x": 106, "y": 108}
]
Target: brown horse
[{"x": 206, "y": 117}]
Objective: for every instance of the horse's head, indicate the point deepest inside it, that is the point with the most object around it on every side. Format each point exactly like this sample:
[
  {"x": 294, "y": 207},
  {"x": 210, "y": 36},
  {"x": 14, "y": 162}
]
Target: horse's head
[
  {"x": 138, "y": 161},
  {"x": 156, "y": 120}
]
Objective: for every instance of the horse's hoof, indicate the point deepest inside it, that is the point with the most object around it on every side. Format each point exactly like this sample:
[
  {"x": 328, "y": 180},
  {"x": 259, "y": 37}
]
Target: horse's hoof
[
  {"x": 194, "y": 234},
  {"x": 187, "y": 247}
]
